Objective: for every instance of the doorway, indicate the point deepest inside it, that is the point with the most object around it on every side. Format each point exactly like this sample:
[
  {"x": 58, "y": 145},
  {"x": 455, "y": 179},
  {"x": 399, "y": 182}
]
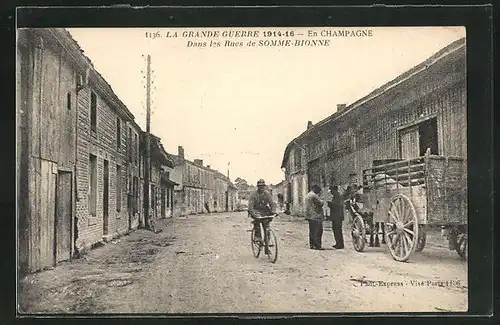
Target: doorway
[
  {"x": 162, "y": 198},
  {"x": 153, "y": 201},
  {"x": 63, "y": 216},
  {"x": 105, "y": 199},
  {"x": 415, "y": 140}
]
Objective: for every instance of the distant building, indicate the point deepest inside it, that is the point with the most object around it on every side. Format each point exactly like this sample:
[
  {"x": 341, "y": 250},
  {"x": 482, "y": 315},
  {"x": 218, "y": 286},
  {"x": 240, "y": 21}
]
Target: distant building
[
  {"x": 200, "y": 189},
  {"x": 161, "y": 191},
  {"x": 278, "y": 194}
]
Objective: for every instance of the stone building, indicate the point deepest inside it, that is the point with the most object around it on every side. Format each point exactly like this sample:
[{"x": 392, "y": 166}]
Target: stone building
[
  {"x": 161, "y": 187},
  {"x": 135, "y": 176},
  {"x": 200, "y": 189},
  {"x": 73, "y": 174},
  {"x": 46, "y": 152},
  {"x": 278, "y": 193},
  {"x": 102, "y": 164},
  {"x": 424, "y": 109}
]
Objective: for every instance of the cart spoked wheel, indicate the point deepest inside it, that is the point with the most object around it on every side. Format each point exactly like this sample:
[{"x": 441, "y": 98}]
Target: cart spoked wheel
[
  {"x": 358, "y": 233},
  {"x": 422, "y": 238},
  {"x": 402, "y": 228},
  {"x": 461, "y": 246}
]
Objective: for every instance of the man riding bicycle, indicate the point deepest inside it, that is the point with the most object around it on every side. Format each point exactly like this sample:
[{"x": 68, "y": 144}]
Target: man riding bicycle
[{"x": 260, "y": 204}]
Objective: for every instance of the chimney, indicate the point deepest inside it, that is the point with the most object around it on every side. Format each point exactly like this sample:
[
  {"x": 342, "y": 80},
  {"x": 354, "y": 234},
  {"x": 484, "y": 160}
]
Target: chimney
[
  {"x": 309, "y": 124},
  {"x": 198, "y": 162},
  {"x": 341, "y": 107},
  {"x": 180, "y": 151},
  {"x": 208, "y": 166}
]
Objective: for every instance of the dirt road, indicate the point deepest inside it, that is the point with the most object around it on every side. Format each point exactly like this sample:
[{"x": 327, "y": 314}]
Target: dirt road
[{"x": 204, "y": 264}]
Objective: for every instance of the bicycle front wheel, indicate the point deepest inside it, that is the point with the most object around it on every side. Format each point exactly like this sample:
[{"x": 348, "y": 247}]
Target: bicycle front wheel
[
  {"x": 273, "y": 246},
  {"x": 255, "y": 244}
]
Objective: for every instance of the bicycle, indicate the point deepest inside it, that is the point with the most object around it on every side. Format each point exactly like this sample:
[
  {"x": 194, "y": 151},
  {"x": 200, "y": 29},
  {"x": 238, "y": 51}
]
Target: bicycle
[{"x": 270, "y": 239}]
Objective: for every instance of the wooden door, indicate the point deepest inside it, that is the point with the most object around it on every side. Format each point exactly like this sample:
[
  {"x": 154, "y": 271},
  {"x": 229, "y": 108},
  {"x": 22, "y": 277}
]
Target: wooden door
[
  {"x": 153, "y": 201},
  {"x": 105, "y": 199},
  {"x": 409, "y": 143},
  {"x": 162, "y": 202},
  {"x": 63, "y": 216},
  {"x": 46, "y": 214}
]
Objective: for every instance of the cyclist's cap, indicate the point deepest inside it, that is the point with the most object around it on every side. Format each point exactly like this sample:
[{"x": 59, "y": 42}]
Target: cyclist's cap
[{"x": 261, "y": 182}]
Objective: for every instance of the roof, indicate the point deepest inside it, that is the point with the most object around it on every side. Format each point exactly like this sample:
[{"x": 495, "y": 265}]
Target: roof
[
  {"x": 168, "y": 181},
  {"x": 294, "y": 142},
  {"x": 158, "y": 152},
  {"x": 443, "y": 53}
]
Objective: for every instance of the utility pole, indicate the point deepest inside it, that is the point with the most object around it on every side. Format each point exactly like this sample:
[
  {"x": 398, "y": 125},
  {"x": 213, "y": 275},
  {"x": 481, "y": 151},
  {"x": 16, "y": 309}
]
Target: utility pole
[
  {"x": 147, "y": 161},
  {"x": 227, "y": 190}
]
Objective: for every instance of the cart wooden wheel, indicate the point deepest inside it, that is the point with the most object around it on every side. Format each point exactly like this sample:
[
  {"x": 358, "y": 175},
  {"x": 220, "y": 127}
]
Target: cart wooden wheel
[
  {"x": 422, "y": 238},
  {"x": 358, "y": 233},
  {"x": 402, "y": 228},
  {"x": 461, "y": 246}
]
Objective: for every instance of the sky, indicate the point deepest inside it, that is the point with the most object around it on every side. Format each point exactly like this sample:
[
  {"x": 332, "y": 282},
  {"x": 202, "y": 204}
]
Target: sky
[{"x": 238, "y": 107}]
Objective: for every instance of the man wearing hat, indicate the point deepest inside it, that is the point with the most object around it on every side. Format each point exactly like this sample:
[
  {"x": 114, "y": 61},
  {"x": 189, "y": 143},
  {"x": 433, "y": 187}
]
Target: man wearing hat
[
  {"x": 260, "y": 204},
  {"x": 336, "y": 216}
]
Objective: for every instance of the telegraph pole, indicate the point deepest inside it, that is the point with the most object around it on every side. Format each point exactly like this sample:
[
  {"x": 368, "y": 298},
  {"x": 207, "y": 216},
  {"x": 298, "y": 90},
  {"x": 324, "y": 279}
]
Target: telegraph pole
[
  {"x": 227, "y": 190},
  {"x": 147, "y": 161}
]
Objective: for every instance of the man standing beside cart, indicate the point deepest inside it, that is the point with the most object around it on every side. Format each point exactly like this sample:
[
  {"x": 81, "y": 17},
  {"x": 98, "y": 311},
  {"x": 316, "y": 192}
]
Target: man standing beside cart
[
  {"x": 314, "y": 215},
  {"x": 336, "y": 216}
]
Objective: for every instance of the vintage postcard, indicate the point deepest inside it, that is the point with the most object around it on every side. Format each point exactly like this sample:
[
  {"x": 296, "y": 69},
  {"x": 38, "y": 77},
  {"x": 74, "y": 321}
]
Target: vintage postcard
[{"x": 242, "y": 170}]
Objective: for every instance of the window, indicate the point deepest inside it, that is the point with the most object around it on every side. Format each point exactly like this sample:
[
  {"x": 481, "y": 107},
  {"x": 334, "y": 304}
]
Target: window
[
  {"x": 93, "y": 112},
  {"x": 130, "y": 145},
  {"x": 297, "y": 158},
  {"x": 416, "y": 140},
  {"x": 68, "y": 101},
  {"x": 118, "y": 188},
  {"x": 428, "y": 137},
  {"x": 118, "y": 133},
  {"x": 153, "y": 201},
  {"x": 92, "y": 196},
  {"x": 135, "y": 193}
]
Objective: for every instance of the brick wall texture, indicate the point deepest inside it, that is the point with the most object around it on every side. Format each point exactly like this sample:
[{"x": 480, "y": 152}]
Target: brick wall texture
[{"x": 101, "y": 143}]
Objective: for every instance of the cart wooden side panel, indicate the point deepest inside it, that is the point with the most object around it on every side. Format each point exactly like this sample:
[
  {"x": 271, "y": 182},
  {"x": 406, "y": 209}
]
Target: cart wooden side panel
[
  {"x": 379, "y": 200},
  {"x": 381, "y": 183},
  {"x": 446, "y": 182}
]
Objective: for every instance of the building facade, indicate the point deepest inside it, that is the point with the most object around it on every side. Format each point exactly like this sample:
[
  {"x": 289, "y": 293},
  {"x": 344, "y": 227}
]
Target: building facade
[
  {"x": 81, "y": 171},
  {"x": 161, "y": 187},
  {"x": 278, "y": 192},
  {"x": 199, "y": 188},
  {"x": 135, "y": 176},
  {"x": 296, "y": 184},
  {"x": 423, "y": 110},
  {"x": 102, "y": 162},
  {"x": 46, "y": 87}
]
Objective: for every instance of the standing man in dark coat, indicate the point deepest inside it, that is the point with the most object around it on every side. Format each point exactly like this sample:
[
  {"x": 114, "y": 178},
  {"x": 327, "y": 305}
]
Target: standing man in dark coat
[
  {"x": 314, "y": 214},
  {"x": 336, "y": 216}
]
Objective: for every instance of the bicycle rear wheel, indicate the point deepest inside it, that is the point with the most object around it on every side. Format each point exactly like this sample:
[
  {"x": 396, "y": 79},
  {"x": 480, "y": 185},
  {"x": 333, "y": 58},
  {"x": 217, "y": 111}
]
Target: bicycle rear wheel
[
  {"x": 255, "y": 244},
  {"x": 273, "y": 246}
]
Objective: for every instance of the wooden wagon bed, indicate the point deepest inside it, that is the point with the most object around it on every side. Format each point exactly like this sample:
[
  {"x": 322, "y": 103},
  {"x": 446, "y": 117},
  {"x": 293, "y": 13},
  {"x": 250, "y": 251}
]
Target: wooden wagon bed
[{"x": 436, "y": 186}]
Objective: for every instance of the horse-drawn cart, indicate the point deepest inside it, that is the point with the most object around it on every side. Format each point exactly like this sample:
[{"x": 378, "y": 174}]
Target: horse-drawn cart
[{"x": 401, "y": 198}]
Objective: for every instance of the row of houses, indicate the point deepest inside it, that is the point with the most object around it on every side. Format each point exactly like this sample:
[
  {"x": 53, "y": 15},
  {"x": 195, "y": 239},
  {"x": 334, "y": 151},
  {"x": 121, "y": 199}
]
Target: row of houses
[
  {"x": 81, "y": 158},
  {"x": 201, "y": 189},
  {"x": 424, "y": 109}
]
